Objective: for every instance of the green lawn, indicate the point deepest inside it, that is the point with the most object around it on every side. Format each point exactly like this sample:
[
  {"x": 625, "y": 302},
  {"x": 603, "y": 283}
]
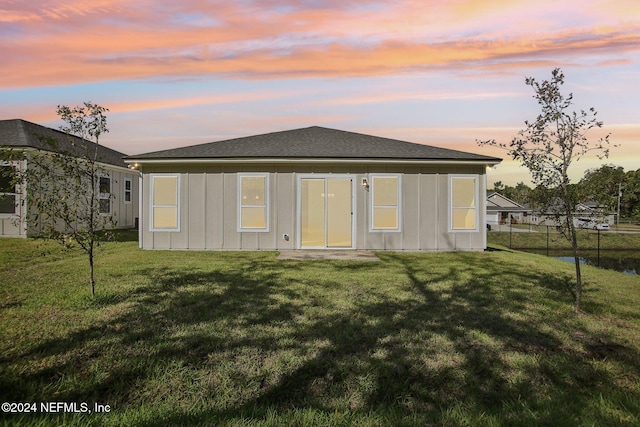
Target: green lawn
[{"x": 241, "y": 339}]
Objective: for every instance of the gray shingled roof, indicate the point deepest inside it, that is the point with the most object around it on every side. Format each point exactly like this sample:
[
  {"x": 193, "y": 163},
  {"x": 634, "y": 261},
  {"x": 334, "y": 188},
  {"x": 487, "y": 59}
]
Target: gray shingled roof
[
  {"x": 21, "y": 133},
  {"x": 313, "y": 142}
]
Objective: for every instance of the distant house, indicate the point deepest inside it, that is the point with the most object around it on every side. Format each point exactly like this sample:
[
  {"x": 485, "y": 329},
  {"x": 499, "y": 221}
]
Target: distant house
[
  {"x": 313, "y": 188},
  {"x": 586, "y": 215},
  {"x": 502, "y": 210},
  {"x": 118, "y": 186},
  {"x": 597, "y": 212}
]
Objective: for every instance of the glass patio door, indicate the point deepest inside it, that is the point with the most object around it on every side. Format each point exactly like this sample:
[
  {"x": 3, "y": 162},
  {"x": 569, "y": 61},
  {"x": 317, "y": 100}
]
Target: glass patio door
[{"x": 326, "y": 219}]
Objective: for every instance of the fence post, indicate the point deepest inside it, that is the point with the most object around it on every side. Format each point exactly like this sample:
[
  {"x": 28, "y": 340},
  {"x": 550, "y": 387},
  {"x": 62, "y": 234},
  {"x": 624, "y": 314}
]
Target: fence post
[
  {"x": 547, "y": 240},
  {"x": 510, "y": 227},
  {"x": 598, "y": 247}
]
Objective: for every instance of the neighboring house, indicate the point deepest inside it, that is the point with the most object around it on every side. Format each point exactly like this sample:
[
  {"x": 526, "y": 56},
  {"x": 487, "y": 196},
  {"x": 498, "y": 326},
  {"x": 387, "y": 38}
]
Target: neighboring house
[
  {"x": 502, "y": 210},
  {"x": 596, "y": 212},
  {"x": 586, "y": 215},
  {"x": 118, "y": 186},
  {"x": 313, "y": 188}
]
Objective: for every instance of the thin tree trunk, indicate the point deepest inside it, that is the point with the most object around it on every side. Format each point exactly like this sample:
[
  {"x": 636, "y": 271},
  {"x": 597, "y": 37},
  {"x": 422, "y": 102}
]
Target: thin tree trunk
[
  {"x": 93, "y": 212},
  {"x": 576, "y": 258},
  {"x": 571, "y": 228},
  {"x": 573, "y": 237},
  {"x": 91, "y": 278}
]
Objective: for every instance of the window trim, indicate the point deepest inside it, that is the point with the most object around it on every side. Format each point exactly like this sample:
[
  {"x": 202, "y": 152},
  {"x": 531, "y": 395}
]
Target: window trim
[
  {"x": 152, "y": 205},
  {"x": 15, "y": 194},
  {"x": 477, "y": 206},
  {"x": 267, "y": 202},
  {"x": 372, "y": 207},
  {"x": 129, "y": 191}
]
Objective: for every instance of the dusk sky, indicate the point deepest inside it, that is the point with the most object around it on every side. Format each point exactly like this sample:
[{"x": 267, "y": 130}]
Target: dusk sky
[{"x": 176, "y": 73}]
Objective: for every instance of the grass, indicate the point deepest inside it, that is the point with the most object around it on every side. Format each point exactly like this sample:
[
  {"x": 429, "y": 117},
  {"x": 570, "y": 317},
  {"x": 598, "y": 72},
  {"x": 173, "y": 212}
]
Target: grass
[{"x": 243, "y": 339}]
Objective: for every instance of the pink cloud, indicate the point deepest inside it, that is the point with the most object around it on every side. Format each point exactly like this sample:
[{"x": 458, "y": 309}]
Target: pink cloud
[
  {"x": 57, "y": 10},
  {"x": 88, "y": 59},
  {"x": 173, "y": 103},
  {"x": 113, "y": 40}
]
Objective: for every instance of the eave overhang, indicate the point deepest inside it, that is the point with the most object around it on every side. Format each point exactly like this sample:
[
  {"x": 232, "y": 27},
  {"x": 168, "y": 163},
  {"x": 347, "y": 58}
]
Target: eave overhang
[{"x": 166, "y": 161}]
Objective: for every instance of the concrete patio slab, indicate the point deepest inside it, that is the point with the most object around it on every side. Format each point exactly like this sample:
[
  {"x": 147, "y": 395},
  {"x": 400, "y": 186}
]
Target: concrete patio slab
[{"x": 328, "y": 254}]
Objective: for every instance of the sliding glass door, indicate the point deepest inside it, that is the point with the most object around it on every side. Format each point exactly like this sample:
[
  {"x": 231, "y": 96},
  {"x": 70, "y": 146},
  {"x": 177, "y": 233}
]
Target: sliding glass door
[{"x": 326, "y": 213}]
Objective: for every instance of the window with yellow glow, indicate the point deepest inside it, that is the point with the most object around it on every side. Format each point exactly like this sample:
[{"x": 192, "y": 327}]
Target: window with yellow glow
[
  {"x": 253, "y": 202},
  {"x": 464, "y": 203},
  {"x": 165, "y": 213},
  {"x": 385, "y": 200}
]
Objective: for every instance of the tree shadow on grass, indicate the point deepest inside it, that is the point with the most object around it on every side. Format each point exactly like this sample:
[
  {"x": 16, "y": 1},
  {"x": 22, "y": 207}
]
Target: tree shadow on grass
[
  {"x": 253, "y": 337},
  {"x": 563, "y": 285},
  {"x": 370, "y": 365},
  {"x": 173, "y": 299}
]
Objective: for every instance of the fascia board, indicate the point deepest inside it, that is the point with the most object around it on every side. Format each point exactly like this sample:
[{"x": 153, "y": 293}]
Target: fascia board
[{"x": 488, "y": 162}]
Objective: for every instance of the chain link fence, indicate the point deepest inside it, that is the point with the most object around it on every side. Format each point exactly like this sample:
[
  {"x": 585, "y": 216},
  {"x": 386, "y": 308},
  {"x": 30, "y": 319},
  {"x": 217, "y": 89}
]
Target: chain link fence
[{"x": 617, "y": 248}]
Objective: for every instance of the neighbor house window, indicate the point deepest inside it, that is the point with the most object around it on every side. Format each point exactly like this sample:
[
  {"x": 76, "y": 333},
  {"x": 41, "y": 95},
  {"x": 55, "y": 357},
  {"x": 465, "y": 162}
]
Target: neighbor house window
[
  {"x": 165, "y": 212},
  {"x": 8, "y": 194},
  {"x": 253, "y": 202},
  {"x": 385, "y": 203},
  {"x": 127, "y": 190},
  {"x": 104, "y": 194},
  {"x": 464, "y": 203}
]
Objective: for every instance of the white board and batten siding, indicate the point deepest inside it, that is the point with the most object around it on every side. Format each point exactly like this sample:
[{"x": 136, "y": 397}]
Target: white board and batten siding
[
  {"x": 125, "y": 208},
  {"x": 209, "y": 211},
  {"x": 124, "y": 211}
]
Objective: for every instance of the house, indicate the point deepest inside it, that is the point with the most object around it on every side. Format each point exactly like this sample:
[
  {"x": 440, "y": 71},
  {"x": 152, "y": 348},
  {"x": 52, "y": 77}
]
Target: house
[
  {"x": 118, "y": 185},
  {"x": 585, "y": 215},
  {"x": 596, "y": 212},
  {"x": 313, "y": 188},
  {"x": 502, "y": 210}
]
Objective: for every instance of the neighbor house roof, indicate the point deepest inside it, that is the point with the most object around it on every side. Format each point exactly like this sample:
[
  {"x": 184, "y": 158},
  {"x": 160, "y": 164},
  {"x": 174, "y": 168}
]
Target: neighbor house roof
[
  {"x": 313, "y": 143},
  {"x": 20, "y": 133},
  {"x": 496, "y": 202}
]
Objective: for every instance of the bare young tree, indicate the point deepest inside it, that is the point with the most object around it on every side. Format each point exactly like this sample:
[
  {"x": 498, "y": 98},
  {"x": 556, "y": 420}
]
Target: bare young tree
[
  {"x": 549, "y": 146},
  {"x": 64, "y": 183}
]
